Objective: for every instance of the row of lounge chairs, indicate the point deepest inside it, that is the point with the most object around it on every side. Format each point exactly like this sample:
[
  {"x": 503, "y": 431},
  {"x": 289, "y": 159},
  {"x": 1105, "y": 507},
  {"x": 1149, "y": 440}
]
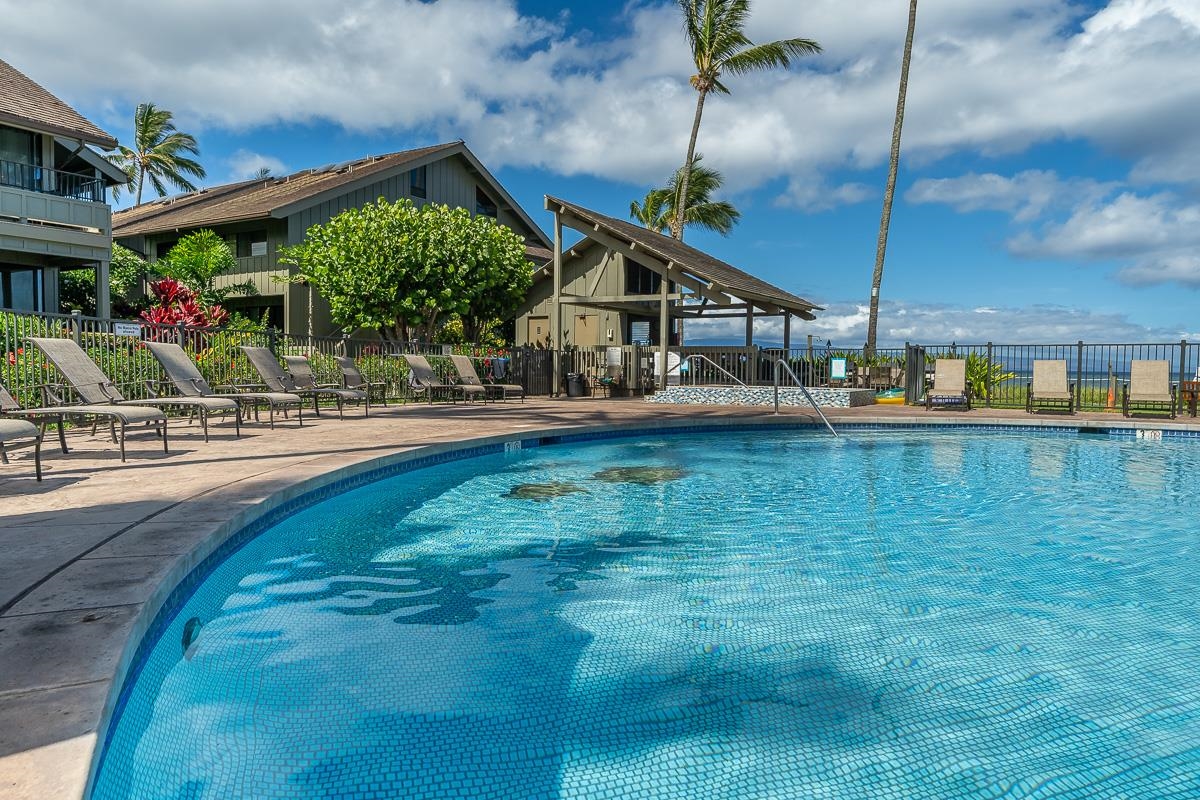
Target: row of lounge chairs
[
  {"x": 1149, "y": 387},
  {"x": 286, "y": 390}
]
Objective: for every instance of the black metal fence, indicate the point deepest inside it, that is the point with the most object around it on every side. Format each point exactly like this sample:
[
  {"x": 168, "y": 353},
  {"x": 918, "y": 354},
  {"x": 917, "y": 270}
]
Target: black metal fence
[
  {"x": 999, "y": 374},
  {"x": 116, "y": 347}
]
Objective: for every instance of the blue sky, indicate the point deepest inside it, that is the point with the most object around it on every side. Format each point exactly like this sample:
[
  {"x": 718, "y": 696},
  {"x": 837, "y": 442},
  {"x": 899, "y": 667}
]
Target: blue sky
[{"x": 1048, "y": 188}]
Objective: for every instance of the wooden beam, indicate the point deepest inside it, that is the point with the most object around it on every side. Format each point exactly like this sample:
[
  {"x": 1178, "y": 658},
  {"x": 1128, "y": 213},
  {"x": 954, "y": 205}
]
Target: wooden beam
[
  {"x": 595, "y": 279},
  {"x": 648, "y": 260},
  {"x": 579, "y": 300},
  {"x": 556, "y": 304}
]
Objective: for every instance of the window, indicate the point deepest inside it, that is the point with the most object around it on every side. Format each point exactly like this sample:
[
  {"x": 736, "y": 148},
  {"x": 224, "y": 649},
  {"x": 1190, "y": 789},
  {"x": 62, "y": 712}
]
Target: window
[
  {"x": 21, "y": 289},
  {"x": 250, "y": 244},
  {"x": 484, "y": 204},
  {"x": 162, "y": 248},
  {"x": 640, "y": 280},
  {"x": 19, "y": 158},
  {"x": 417, "y": 179}
]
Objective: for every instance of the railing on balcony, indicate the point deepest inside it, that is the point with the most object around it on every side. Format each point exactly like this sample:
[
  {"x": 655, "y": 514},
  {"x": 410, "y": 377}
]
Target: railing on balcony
[{"x": 33, "y": 178}]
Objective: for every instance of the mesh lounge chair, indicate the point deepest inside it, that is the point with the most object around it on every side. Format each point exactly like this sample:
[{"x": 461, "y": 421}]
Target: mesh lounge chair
[
  {"x": 189, "y": 382},
  {"x": 276, "y": 380},
  {"x": 949, "y": 384},
  {"x": 16, "y": 433},
  {"x": 301, "y": 371},
  {"x": 94, "y": 387},
  {"x": 469, "y": 377},
  {"x": 1049, "y": 387},
  {"x": 353, "y": 379},
  {"x": 122, "y": 415},
  {"x": 422, "y": 378},
  {"x": 1149, "y": 387}
]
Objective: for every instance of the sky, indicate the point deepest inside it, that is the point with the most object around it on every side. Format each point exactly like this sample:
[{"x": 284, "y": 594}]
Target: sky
[{"x": 1049, "y": 187}]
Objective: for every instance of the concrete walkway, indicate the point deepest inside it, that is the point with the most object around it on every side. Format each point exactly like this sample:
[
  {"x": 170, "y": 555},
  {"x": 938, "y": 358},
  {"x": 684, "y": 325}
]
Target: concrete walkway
[{"x": 90, "y": 553}]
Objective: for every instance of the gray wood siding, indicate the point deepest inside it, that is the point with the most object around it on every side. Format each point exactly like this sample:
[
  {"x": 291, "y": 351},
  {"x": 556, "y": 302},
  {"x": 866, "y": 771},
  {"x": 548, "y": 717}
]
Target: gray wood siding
[{"x": 581, "y": 276}]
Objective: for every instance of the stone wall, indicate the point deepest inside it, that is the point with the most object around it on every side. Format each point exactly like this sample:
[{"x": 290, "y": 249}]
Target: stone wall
[{"x": 761, "y": 396}]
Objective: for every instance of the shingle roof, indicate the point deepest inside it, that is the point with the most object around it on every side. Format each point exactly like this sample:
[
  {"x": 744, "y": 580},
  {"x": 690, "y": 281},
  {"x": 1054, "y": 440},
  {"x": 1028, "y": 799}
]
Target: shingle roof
[
  {"x": 25, "y": 103},
  {"x": 725, "y": 277},
  {"x": 256, "y": 199}
]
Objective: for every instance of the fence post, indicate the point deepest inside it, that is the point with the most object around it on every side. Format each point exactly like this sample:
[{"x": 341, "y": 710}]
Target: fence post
[
  {"x": 1182, "y": 367},
  {"x": 987, "y": 380},
  {"x": 180, "y": 334},
  {"x": 273, "y": 340},
  {"x": 1078, "y": 373},
  {"x": 76, "y": 326}
]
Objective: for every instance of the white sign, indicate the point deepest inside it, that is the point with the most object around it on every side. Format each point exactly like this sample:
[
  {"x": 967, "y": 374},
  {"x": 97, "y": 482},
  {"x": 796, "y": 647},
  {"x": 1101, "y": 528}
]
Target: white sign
[{"x": 127, "y": 329}]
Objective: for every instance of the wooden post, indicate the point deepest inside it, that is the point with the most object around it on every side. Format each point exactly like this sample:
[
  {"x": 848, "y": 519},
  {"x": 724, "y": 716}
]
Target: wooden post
[
  {"x": 103, "y": 296},
  {"x": 787, "y": 334},
  {"x": 749, "y": 323},
  {"x": 663, "y": 328},
  {"x": 556, "y": 304}
]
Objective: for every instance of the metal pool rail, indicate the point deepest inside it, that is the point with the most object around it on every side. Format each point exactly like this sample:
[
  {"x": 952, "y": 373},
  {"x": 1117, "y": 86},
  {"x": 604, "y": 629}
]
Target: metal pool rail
[{"x": 779, "y": 362}]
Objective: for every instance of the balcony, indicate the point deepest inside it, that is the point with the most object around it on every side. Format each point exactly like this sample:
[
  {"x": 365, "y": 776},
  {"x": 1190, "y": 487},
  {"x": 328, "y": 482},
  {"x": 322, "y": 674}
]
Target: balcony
[{"x": 55, "y": 182}]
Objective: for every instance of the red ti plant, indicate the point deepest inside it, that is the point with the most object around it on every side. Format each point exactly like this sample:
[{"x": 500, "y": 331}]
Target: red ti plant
[{"x": 176, "y": 304}]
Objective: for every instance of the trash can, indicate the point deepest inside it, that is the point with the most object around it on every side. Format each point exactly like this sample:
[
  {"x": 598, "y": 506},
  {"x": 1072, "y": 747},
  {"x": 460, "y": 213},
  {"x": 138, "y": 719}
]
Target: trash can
[{"x": 575, "y": 385}]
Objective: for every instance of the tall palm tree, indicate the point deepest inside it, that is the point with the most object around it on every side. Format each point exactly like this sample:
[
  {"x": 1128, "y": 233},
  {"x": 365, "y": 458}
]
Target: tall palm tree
[
  {"x": 715, "y": 33},
  {"x": 889, "y": 191},
  {"x": 160, "y": 153},
  {"x": 662, "y": 205}
]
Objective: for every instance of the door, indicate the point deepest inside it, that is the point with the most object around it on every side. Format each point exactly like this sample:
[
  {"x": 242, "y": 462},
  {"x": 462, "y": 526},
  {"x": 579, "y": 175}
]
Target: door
[
  {"x": 587, "y": 331},
  {"x": 539, "y": 330}
]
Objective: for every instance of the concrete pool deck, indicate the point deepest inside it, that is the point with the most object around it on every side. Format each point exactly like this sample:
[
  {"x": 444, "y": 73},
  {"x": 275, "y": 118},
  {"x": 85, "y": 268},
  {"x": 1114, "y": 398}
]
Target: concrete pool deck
[{"x": 87, "y": 554}]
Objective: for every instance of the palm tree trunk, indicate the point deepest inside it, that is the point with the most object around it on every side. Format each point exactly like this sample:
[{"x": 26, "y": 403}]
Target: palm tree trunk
[
  {"x": 890, "y": 191},
  {"x": 681, "y": 204},
  {"x": 141, "y": 182}
]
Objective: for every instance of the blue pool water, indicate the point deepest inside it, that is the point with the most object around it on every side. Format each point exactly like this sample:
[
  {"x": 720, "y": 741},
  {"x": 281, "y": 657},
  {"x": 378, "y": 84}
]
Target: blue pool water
[{"x": 891, "y": 615}]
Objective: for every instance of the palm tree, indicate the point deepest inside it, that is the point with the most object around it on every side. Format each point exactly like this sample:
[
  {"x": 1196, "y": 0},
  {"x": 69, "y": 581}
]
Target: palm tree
[
  {"x": 652, "y": 211},
  {"x": 889, "y": 191},
  {"x": 160, "y": 153},
  {"x": 719, "y": 45},
  {"x": 661, "y": 206}
]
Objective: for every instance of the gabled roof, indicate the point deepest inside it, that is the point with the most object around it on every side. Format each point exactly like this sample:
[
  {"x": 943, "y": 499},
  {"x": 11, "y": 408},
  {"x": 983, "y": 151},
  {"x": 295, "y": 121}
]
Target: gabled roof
[
  {"x": 26, "y": 104},
  {"x": 722, "y": 276},
  {"x": 279, "y": 197}
]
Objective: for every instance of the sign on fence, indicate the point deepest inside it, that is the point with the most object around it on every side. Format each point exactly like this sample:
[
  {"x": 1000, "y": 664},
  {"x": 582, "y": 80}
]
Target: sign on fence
[{"x": 127, "y": 329}]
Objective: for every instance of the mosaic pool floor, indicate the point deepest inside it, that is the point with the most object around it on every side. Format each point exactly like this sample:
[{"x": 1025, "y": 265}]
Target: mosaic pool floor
[{"x": 893, "y": 615}]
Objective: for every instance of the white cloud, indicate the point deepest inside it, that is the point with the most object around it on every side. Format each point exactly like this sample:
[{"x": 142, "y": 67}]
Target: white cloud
[
  {"x": 1026, "y": 195},
  {"x": 812, "y": 194},
  {"x": 245, "y": 164},
  {"x": 989, "y": 77},
  {"x": 845, "y": 324}
]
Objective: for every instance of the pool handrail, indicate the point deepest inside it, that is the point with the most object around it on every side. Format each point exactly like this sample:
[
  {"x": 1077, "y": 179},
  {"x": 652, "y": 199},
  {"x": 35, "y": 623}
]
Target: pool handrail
[
  {"x": 686, "y": 359},
  {"x": 779, "y": 362}
]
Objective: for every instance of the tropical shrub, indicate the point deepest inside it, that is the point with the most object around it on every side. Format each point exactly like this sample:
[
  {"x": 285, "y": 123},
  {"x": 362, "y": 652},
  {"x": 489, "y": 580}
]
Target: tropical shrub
[{"x": 176, "y": 304}]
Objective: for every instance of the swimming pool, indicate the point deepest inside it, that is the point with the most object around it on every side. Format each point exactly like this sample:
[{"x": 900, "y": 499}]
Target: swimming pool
[{"x": 897, "y": 614}]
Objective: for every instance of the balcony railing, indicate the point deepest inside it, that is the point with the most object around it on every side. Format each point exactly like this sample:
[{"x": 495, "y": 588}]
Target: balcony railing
[{"x": 33, "y": 178}]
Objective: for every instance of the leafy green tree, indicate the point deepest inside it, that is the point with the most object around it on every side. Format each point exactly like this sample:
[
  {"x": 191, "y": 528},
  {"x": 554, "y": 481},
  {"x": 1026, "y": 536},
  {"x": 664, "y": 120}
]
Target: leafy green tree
[
  {"x": 197, "y": 260},
  {"x": 126, "y": 271},
  {"x": 160, "y": 154},
  {"x": 719, "y": 45},
  {"x": 662, "y": 205},
  {"x": 401, "y": 270}
]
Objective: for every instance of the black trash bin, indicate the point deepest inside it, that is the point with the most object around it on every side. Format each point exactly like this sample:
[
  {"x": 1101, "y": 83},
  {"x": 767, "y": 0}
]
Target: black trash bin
[{"x": 575, "y": 385}]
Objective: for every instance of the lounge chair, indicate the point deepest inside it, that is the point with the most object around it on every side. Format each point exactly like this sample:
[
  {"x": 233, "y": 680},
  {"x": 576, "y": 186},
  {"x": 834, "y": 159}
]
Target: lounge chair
[
  {"x": 1149, "y": 387},
  {"x": 353, "y": 379},
  {"x": 949, "y": 384},
  {"x": 422, "y": 378},
  {"x": 301, "y": 371},
  {"x": 15, "y": 433},
  {"x": 189, "y": 382},
  {"x": 94, "y": 387},
  {"x": 469, "y": 377},
  {"x": 276, "y": 380},
  {"x": 1049, "y": 387},
  {"x": 123, "y": 415}
]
